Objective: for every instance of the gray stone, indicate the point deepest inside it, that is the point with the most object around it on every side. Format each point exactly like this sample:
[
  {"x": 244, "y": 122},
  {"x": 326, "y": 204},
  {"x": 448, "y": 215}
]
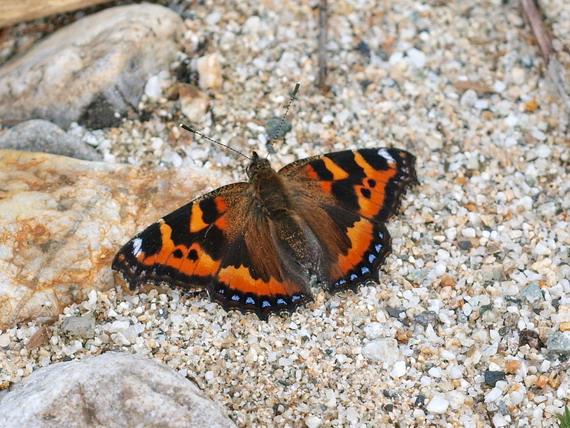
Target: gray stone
[
  {"x": 92, "y": 71},
  {"x": 532, "y": 292},
  {"x": 426, "y": 318},
  {"x": 111, "y": 390},
  {"x": 494, "y": 376},
  {"x": 83, "y": 326},
  {"x": 558, "y": 343},
  {"x": 45, "y": 137},
  {"x": 277, "y": 128}
]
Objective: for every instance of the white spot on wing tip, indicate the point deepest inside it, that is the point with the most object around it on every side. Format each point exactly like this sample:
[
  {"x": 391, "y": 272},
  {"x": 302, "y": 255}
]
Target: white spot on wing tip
[
  {"x": 137, "y": 245},
  {"x": 384, "y": 153}
]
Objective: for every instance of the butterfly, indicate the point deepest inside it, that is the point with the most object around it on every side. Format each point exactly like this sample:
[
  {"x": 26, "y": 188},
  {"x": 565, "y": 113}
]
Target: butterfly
[{"x": 254, "y": 246}]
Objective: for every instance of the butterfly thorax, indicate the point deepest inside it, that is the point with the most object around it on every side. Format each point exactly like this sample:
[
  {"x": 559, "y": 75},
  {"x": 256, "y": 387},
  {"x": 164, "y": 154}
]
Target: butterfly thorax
[
  {"x": 269, "y": 192},
  {"x": 272, "y": 198}
]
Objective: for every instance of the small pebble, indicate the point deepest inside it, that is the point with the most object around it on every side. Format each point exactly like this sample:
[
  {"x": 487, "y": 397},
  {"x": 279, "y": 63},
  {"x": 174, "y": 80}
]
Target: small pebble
[
  {"x": 532, "y": 292},
  {"x": 83, "y": 326},
  {"x": 417, "y": 57},
  {"x": 4, "y": 340},
  {"x": 559, "y": 343},
  {"x": 492, "y": 377},
  {"x": 399, "y": 369},
  {"x": 543, "y": 151},
  {"x": 425, "y": 318},
  {"x": 493, "y": 395},
  {"x": 313, "y": 421},
  {"x": 382, "y": 350},
  {"x": 513, "y": 366},
  {"x": 438, "y": 405}
]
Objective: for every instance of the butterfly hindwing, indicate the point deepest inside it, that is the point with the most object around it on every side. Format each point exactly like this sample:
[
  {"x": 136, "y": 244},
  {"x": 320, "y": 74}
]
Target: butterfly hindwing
[
  {"x": 359, "y": 191},
  {"x": 252, "y": 277}
]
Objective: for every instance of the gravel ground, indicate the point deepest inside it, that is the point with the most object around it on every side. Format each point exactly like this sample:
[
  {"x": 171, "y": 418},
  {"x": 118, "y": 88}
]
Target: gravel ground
[{"x": 466, "y": 326}]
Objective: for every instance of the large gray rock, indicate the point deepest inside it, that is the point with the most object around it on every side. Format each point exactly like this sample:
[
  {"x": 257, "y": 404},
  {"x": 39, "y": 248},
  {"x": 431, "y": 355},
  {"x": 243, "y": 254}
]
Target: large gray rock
[
  {"x": 43, "y": 136},
  {"x": 110, "y": 390},
  {"x": 92, "y": 71}
]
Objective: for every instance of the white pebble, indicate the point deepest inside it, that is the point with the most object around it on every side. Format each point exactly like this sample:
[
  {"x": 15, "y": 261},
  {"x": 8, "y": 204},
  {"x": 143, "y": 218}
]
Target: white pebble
[
  {"x": 469, "y": 232},
  {"x": 481, "y": 104},
  {"x": 285, "y": 362},
  {"x": 438, "y": 404},
  {"x": 499, "y": 420},
  {"x": 455, "y": 372},
  {"x": 382, "y": 350},
  {"x": 538, "y": 134},
  {"x": 434, "y": 372},
  {"x": 395, "y": 58},
  {"x": 468, "y": 99},
  {"x": 543, "y": 151},
  {"x": 517, "y": 396},
  {"x": 417, "y": 57},
  {"x": 252, "y": 24},
  {"x": 213, "y": 18},
  {"x": 118, "y": 326},
  {"x": 511, "y": 120},
  {"x": 313, "y": 421},
  {"x": 499, "y": 86},
  {"x": 399, "y": 369},
  {"x": 4, "y": 340},
  {"x": 493, "y": 395},
  {"x": 374, "y": 330},
  {"x": 518, "y": 75},
  {"x": 153, "y": 88},
  {"x": 351, "y": 415},
  {"x": 542, "y": 249}
]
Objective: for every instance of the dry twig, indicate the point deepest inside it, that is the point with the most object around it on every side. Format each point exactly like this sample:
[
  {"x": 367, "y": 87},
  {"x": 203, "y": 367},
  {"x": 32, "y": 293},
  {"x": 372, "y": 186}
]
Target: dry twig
[
  {"x": 323, "y": 24},
  {"x": 553, "y": 66}
]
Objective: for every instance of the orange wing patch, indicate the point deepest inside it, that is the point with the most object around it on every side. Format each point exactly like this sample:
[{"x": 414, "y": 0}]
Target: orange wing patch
[
  {"x": 337, "y": 172},
  {"x": 196, "y": 219},
  {"x": 241, "y": 279},
  {"x": 189, "y": 261},
  {"x": 360, "y": 235}
]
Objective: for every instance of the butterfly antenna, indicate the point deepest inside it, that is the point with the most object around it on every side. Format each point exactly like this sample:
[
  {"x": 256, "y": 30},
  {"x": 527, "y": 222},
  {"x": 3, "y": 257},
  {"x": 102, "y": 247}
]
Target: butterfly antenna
[
  {"x": 276, "y": 134},
  {"x": 187, "y": 128}
]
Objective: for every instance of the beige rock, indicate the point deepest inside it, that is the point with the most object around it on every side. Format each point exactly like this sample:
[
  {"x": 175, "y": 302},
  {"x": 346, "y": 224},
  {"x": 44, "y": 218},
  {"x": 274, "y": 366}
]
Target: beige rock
[
  {"x": 12, "y": 12},
  {"x": 193, "y": 102},
  {"x": 513, "y": 366},
  {"x": 62, "y": 220},
  {"x": 209, "y": 71},
  {"x": 93, "y": 70},
  {"x": 447, "y": 281}
]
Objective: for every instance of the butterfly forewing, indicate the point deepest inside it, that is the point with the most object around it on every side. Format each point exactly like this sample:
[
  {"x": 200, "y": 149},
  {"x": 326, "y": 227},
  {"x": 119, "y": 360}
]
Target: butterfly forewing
[
  {"x": 216, "y": 243},
  {"x": 184, "y": 248}
]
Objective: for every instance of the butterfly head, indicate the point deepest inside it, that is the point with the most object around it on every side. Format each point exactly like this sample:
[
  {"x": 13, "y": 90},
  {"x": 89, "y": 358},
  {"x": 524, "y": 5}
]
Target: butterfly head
[{"x": 257, "y": 164}]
